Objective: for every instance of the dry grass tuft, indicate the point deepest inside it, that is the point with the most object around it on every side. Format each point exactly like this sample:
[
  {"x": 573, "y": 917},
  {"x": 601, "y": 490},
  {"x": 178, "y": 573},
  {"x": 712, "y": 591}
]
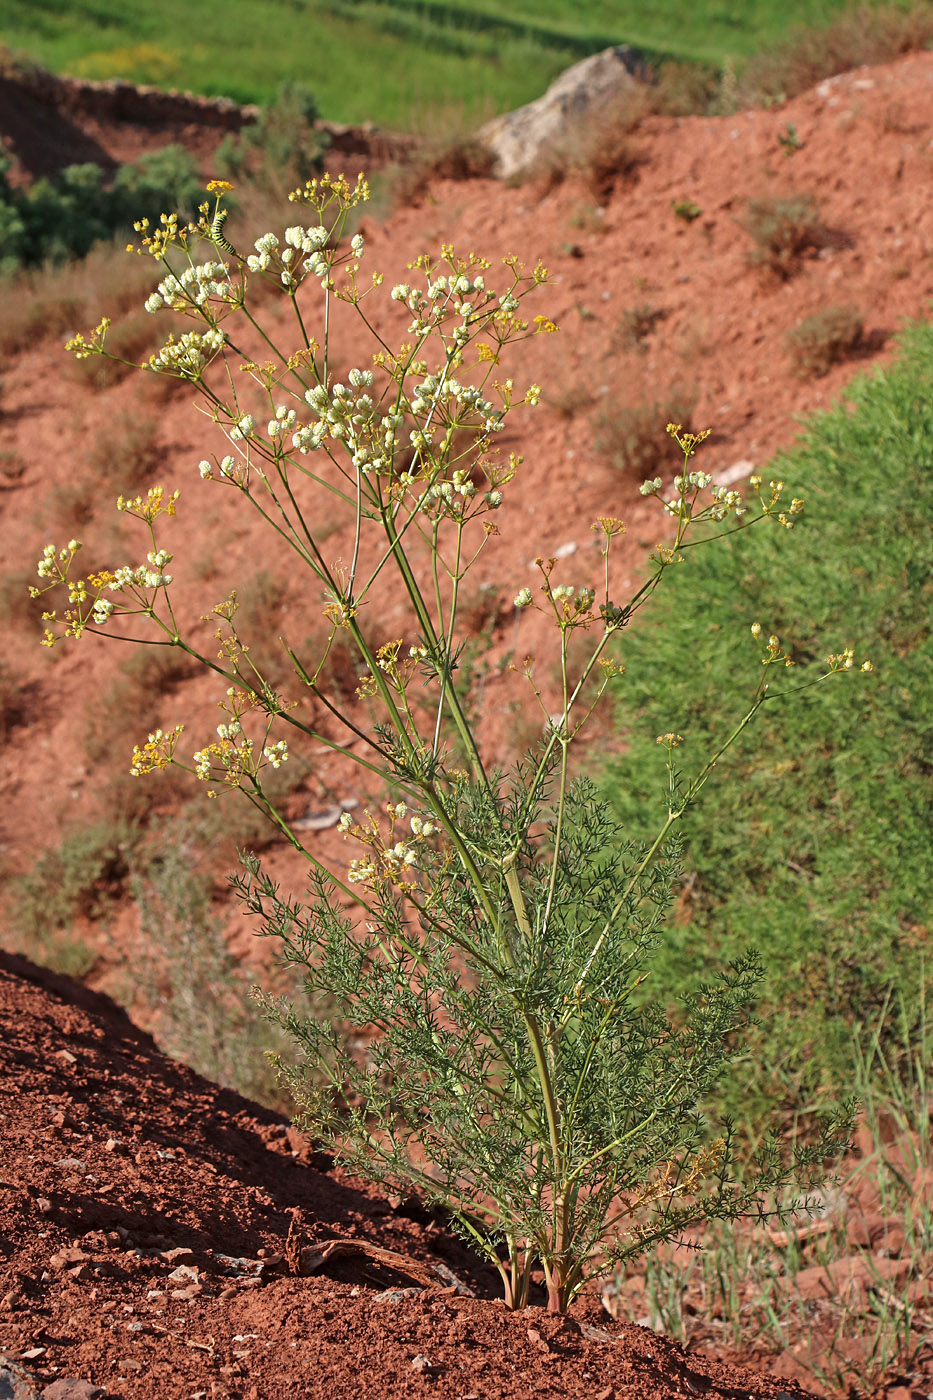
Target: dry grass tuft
[
  {"x": 634, "y": 437},
  {"x": 825, "y": 339},
  {"x": 782, "y": 229},
  {"x": 864, "y": 35}
]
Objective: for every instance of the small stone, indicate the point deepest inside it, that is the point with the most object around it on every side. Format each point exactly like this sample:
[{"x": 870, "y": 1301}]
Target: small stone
[
  {"x": 226, "y": 1294},
  {"x": 177, "y": 1256},
  {"x": 66, "y": 1058},
  {"x": 397, "y": 1295},
  {"x": 184, "y": 1295},
  {"x": 69, "y": 1388},
  {"x": 15, "y": 1384},
  {"x": 32, "y": 1354},
  {"x": 72, "y": 1164},
  {"x": 43, "y": 1205},
  {"x": 184, "y": 1274},
  {"x": 421, "y": 1364},
  {"x": 114, "y": 1145},
  {"x": 128, "y": 1364},
  {"x": 68, "y": 1258}
]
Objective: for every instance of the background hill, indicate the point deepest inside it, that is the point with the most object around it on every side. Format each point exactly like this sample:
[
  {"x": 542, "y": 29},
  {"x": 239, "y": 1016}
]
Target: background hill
[{"x": 386, "y": 61}]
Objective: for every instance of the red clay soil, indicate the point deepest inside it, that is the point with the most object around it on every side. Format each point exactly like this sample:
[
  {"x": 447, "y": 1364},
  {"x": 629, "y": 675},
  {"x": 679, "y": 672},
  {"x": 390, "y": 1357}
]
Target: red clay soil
[{"x": 144, "y": 1215}]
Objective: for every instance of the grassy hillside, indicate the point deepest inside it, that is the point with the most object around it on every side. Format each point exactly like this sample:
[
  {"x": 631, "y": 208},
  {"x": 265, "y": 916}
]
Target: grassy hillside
[
  {"x": 812, "y": 841},
  {"x": 381, "y": 60}
]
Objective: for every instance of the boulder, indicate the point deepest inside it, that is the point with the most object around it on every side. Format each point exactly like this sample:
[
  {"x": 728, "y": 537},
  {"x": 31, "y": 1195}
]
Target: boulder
[{"x": 519, "y": 140}]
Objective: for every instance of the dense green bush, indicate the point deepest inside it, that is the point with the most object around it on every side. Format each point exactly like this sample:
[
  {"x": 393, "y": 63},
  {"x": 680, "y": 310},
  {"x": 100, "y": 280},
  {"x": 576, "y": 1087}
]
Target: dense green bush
[
  {"x": 63, "y": 216},
  {"x": 812, "y": 843}
]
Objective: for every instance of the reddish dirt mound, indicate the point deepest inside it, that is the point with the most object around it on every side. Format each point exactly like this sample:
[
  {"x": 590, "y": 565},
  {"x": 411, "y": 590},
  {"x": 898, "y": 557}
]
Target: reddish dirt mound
[{"x": 143, "y": 1218}]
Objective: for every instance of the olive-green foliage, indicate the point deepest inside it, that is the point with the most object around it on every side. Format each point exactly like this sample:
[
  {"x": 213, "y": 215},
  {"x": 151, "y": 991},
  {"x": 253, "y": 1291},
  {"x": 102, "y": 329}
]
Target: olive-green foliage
[
  {"x": 193, "y": 985},
  {"x": 782, "y": 230},
  {"x": 80, "y": 877},
  {"x": 283, "y": 145},
  {"x": 812, "y": 843},
  {"x": 64, "y": 215}
]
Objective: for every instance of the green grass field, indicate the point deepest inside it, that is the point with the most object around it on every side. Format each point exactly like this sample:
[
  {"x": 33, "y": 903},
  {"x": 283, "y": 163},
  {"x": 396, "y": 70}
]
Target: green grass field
[
  {"x": 388, "y": 61},
  {"x": 812, "y": 840}
]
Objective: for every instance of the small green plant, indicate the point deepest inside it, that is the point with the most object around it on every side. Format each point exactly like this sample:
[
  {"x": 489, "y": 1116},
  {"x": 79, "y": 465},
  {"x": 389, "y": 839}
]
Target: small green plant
[
  {"x": 782, "y": 230},
  {"x": 633, "y": 437},
  {"x": 686, "y": 209},
  {"x": 825, "y": 339},
  {"x": 485, "y": 945},
  {"x": 788, "y": 140}
]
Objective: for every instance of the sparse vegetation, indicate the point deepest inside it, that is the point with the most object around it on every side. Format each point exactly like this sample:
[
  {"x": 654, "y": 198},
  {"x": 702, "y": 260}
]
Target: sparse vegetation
[
  {"x": 195, "y": 992},
  {"x": 37, "y": 306},
  {"x": 860, "y": 34},
  {"x": 281, "y": 149},
  {"x": 80, "y": 878},
  {"x": 635, "y": 326},
  {"x": 633, "y": 437},
  {"x": 848, "y": 1288},
  {"x": 825, "y": 339},
  {"x": 782, "y": 229}
]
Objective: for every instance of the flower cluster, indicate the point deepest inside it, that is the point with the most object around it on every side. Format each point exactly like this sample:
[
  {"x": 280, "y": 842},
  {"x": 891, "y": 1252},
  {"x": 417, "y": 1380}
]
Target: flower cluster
[
  {"x": 190, "y": 356},
  {"x": 393, "y": 859},
  {"x": 156, "y": 753},
  {"x": 196, "y": 285}
]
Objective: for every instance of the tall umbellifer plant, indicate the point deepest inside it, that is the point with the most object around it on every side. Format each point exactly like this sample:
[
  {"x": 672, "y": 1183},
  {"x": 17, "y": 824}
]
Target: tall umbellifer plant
[{"x": 491, "y": 931}]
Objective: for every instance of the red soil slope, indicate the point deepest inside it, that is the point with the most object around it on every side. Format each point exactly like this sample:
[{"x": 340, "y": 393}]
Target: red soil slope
[{"x": 144, "y": 1214}]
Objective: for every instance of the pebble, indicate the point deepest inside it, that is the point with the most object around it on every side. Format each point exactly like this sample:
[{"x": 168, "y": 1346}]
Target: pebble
[
  {"x": 69, "y": 1388},
  {"x": 421, "y": 1364},
  {"x": 16, "y": 1384},
  {"x": 178, "y": 1256},
  {"x": 72, "y": 1164}
]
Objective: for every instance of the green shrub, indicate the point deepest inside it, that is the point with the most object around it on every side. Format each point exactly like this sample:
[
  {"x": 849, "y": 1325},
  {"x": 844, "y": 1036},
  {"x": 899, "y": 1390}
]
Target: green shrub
[
  {"x": 281, "y": 149},
  {"x": 813, "y": 845},
  {"x": 63, "y": 216}
]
